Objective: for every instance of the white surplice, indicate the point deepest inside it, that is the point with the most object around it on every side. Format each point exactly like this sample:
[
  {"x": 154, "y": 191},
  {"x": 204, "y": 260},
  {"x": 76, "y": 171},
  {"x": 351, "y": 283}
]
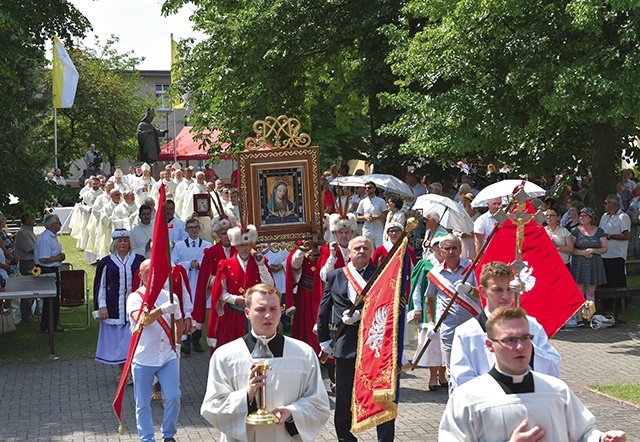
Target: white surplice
[
  {"x": 294, "y": 381},
  {"x": 471, "y": 358},
  {"x": 480, "y": 410}
]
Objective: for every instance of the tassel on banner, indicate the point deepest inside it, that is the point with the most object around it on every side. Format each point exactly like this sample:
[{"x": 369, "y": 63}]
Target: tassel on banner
[{"x": 142, "y": 320}]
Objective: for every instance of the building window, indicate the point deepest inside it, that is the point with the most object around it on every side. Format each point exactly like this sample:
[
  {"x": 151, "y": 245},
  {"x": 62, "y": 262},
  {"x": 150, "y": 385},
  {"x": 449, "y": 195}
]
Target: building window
[{"x": 162, "y": 96}]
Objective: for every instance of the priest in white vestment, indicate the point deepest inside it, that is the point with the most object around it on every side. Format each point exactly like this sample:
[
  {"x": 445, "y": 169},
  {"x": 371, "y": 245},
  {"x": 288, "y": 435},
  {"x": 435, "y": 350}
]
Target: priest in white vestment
[
  {"x": 124, "y": 214},
  {"x": 295, "y": 392},
  {"x": 512, "y": 402},
  {"x": 198, "y": 187},
  {"x": 142, "y": 234}
]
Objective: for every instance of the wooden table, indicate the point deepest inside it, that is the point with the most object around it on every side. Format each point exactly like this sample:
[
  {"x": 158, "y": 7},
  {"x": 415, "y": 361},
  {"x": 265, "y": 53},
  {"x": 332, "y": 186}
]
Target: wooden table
[{"x": 43, "y": 286}]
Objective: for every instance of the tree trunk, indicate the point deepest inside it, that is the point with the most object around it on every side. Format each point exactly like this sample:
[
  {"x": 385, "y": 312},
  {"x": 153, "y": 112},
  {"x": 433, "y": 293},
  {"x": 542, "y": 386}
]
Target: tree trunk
[{"x": 603, "y": 165}]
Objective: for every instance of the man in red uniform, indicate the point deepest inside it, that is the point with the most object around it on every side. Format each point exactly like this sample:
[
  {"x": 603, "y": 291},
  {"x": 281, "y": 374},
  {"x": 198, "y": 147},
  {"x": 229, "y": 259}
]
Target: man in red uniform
[
  {"x": 300, "y": 270},
  {"x": 234, "y": 276},
  {"x": 209, "y": 266}
]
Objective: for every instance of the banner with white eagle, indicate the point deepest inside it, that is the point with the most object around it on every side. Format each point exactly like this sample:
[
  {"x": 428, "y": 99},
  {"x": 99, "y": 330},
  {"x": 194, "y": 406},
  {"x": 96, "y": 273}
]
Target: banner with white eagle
[{"x": 374, "y": 399}]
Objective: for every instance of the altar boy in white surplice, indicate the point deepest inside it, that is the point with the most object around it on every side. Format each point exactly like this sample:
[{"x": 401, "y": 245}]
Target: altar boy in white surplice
[
  {"x": 511, "y": 402},
  {"x": 295, "y": 392}
]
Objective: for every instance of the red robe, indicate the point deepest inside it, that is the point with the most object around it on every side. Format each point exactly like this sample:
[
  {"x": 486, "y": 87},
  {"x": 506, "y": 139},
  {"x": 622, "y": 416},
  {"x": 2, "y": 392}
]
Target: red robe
[
  {"x": 208, "y": 267},
  {"x": 230, "y": 325},
  {"x": 306, "y": 300},
  {"x": 180, "y": 281}
]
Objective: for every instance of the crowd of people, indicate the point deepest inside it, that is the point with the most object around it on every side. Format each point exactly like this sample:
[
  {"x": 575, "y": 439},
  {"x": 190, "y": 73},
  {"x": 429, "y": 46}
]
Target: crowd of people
[{"x": 216, "y": 269}]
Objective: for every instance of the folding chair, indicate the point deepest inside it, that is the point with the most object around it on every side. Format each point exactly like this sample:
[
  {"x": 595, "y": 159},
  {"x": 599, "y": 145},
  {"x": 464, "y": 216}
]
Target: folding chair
[{"x": 75, "y": 293}]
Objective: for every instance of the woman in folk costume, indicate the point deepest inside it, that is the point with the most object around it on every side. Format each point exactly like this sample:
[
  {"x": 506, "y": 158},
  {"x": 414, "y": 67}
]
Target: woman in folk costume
[
  {"x": 113, "y": 282},
  {"x": 233, "y": 277},
  {"x": 432, "y": 357}
]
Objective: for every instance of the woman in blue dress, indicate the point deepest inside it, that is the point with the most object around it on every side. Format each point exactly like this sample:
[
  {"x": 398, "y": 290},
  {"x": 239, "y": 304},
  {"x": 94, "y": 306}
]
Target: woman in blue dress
[
  {"x": 113, "y": 283},
  {"x": 589, "y": 243}
]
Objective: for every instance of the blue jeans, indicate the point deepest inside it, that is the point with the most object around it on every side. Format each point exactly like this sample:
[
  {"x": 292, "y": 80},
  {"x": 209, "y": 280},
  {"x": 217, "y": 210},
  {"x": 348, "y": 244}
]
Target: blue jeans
[{"x": 168, "y": 375}]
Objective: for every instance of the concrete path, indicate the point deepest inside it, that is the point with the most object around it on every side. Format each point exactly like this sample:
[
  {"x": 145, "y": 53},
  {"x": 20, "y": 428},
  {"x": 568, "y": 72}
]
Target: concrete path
[{"x": 71, "y": 400}]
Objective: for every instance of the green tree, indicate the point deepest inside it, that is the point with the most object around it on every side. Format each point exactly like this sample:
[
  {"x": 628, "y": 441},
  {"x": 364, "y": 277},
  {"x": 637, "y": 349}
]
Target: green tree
[
  {"x": 539, "y": 84},
  {"x": 25, "y": 152},
  {"x": 107, "y": 106},
  {"x": 321, "y": 62}
]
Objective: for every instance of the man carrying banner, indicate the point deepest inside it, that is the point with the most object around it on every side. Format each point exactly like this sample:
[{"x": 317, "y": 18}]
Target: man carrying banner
[
  {"x": 512, "y": 402},
  {"x": 445, "y": 280},
  {"x": 468, "y": 361},
  {"x": 341, "y": 290},
  {"x": 155, "y": 355},
  {"x": 294, "y": 389}
]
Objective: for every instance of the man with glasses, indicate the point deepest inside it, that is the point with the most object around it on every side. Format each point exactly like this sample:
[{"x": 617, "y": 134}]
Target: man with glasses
[
  {"x": 511, "y": 402},
  {"x": 617, "y": 227},
  {"x": 468, "y": 361},
  {"x": 372, "y": 211},
  {"x": 189, "y": 253},
  {"x": 445, "y": 280},
  {"x": 48, "y": 256}
]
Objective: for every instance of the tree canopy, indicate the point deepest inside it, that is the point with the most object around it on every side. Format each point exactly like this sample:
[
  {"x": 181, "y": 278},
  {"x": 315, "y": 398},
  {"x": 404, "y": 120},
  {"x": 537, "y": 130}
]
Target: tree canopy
[
  {"x": 24, "y": 27},
  {"x": 539, "y": 84},
  {"x": 321, "y": 62}
]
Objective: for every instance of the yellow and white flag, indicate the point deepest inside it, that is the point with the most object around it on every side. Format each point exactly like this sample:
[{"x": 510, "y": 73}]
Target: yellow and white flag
[
  {"x": 65, "y": 77},
  {"x": 178, "y": 104}
]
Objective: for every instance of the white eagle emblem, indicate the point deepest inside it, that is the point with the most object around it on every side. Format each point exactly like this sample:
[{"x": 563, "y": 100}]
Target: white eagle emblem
[
  {"x": 376, "y": 331},
  {"x": 526, "y": 275}
]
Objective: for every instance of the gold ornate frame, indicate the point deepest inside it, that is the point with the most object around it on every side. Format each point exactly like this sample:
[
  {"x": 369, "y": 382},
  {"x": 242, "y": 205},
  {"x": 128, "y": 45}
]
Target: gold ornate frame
[{"x": 279, "y": 152}]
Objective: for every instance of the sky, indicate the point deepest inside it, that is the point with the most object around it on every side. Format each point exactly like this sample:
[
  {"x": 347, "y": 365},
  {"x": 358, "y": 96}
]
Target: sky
[{"x": 140, "y": 27}]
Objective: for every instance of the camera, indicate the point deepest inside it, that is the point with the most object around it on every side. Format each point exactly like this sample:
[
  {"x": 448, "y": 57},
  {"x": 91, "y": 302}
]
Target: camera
[{"x": 97, "y": 160}]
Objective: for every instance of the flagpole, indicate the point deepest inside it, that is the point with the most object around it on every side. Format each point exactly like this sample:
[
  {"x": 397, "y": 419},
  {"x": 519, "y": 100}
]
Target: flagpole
[
  {"x": 175, "y": 137},
  {"x": 55, "y": 137},
  {"x": 497, "y": 225}
]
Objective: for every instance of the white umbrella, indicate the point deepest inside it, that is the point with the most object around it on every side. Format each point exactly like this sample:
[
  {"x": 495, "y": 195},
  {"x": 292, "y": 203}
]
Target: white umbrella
[
  {"x": 452, "y": 215},
  {"x": 504, "y": 189},
  {"x": 347, "y": 181},
  {"x": 389, "y": 183}
]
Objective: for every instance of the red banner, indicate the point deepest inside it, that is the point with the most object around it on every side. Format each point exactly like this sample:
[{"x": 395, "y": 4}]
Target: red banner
[
  {"x": 159, "y": 271},
  {"x": 551, "y": 294},
  {"x": 376, "y": 378}
]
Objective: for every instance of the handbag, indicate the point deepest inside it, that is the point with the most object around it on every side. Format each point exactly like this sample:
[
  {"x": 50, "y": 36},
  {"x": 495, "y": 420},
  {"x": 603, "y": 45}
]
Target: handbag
[{"x": 6, "y": 322}]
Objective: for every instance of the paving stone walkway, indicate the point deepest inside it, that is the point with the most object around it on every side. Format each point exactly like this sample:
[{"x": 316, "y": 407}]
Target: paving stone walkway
[{"x": 71, "y": 400}]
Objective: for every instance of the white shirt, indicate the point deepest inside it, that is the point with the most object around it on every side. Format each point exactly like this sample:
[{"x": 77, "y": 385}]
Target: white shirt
[
  {"x": 47, "y": 246},
  {"x": 375, "y": 207},
  {"x": 614, "y": 225},
  {"x": 483, "y": 225},
  {"x": 154, "y": 348}
]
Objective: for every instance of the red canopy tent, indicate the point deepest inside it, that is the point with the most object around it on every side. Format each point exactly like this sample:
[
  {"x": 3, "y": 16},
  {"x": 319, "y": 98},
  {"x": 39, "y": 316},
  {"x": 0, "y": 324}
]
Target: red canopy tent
[{"x": 186, "y": 148}]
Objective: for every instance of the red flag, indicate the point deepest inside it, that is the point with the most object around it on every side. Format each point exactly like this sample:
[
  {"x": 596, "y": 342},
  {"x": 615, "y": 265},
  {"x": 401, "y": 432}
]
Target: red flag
[
  {"x": 376, "y": 378},
  {"x": 551, "y": 294},
  {"x": 159, "y": 272}
]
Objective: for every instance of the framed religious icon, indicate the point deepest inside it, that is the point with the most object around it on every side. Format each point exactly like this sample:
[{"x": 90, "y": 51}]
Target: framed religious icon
[
  {"x": 280, "y": 196},
  {"x": 202, "y": 204}
]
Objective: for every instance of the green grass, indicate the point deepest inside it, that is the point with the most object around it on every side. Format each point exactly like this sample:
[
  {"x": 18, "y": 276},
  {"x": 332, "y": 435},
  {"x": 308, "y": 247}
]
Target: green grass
[
  {"x": 626, "y": 392},
  {"x": 27, "y": 344}
]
